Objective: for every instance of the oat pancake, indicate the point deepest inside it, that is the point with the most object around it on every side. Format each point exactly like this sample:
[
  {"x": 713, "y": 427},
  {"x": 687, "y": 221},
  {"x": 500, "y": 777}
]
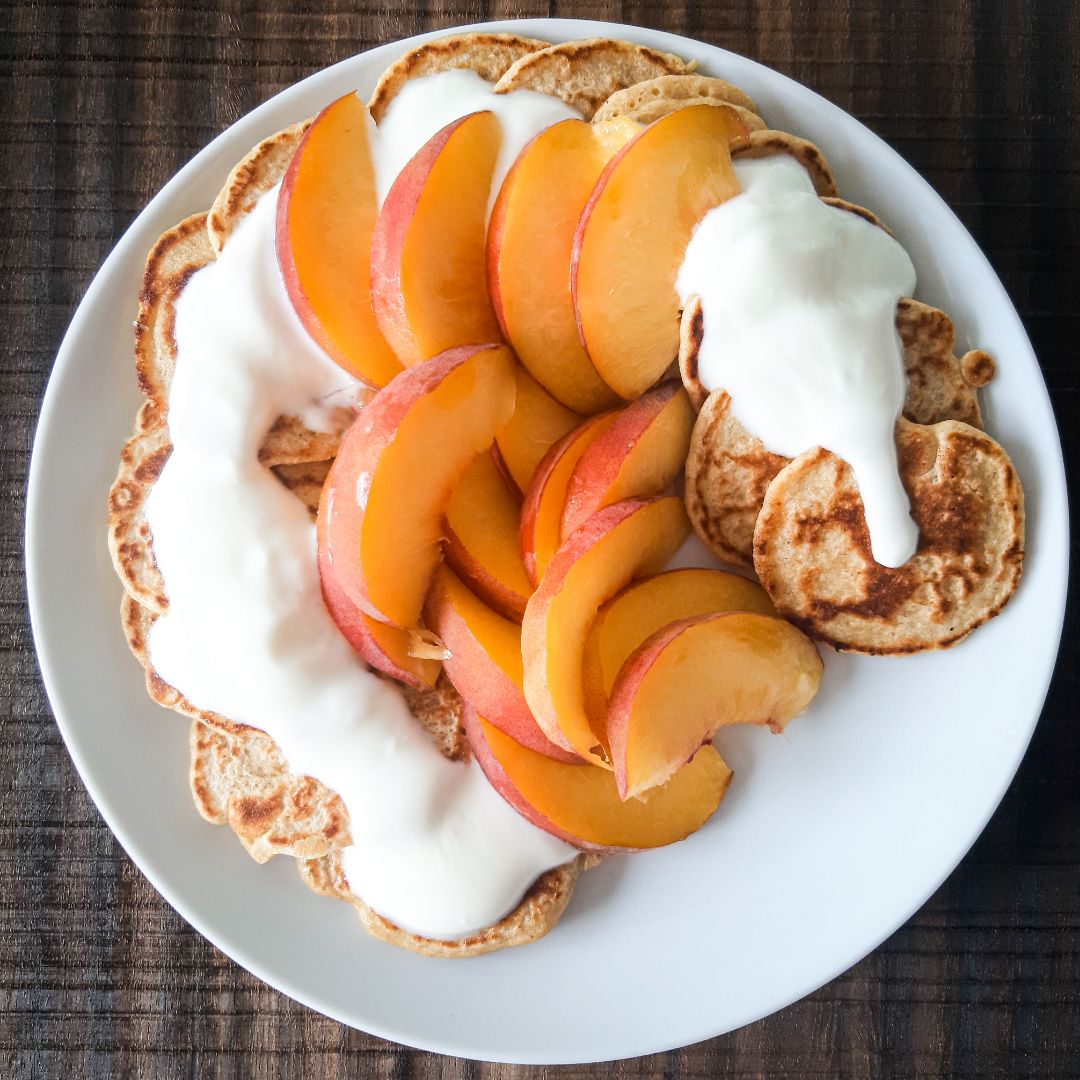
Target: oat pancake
[
  {"x": 812, "y": 548},
  {"x": 654, "y": 108},
  {"x": 489, "y": 55},
  {"x": 585, "y": 74},
  {"x": 671, "y": 89}
]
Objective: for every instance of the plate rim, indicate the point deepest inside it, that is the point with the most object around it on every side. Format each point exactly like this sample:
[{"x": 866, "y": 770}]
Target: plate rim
[{"x": 37, "y": 590}]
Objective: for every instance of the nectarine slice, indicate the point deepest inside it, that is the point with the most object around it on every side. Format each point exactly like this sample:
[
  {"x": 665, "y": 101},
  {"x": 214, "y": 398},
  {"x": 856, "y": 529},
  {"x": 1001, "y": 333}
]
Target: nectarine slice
[
  {"x": 485, "y": 660},
  {"x": 633, "y": 538},
  {"x": 326, "y": 214},
  {"x": 390, "y": 485},
  {"x": 482, "y": 537},
  {"x": 542, "y": 509},
  {"x": 539, "y": 421},
  {"x": 632, "y": 236},
  {"x": 428, "y": 275},
  {"x": 644, "y": 607},
  {"x": 580, "y": 803},
  {"x": 698, "y": 675},
  {"x": 530, "y": 237},
  {"x": 641, "y": 453},
  {"x": 385, "y": 648}
]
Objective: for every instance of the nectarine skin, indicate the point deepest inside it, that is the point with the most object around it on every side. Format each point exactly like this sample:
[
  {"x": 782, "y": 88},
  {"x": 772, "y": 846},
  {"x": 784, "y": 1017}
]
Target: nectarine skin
[
  {"x": 326, "y": 213},
  {"x": 385, "y": 648},
  {"x": 632, "y": 236},
  {"x": 389, "y": 487},
  {"x": 629, "y": 539},
  {"x": 697, "y": 675},
  {"x": 580, "y": 803},
  {"x": 646, "y": 606},
  {"x": 428, "y": 273},
  {"x": 485, "y": 661},
  {"x": 530, "y": 237},
  {"x": 542, "y": 508},
  {"x": 640, "y": 454}
]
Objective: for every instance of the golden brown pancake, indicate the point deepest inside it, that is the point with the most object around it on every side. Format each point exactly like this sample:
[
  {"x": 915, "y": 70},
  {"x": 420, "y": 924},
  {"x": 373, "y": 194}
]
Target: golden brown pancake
[
  {"x": 585, "y": 74},
  {"x": 671, "y": 89},
  {"x": 654, "y": 108},
  {"x": 812, "y": 548},
  {"x": 489, "y": 55}
]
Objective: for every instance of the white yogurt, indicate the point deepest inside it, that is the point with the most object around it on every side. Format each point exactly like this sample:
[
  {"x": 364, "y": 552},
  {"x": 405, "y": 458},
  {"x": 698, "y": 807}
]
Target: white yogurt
[
  {"x": 435, "y": 849},
  {"x": 799, "y": 304},
  {"x": 423, "y": 107}
]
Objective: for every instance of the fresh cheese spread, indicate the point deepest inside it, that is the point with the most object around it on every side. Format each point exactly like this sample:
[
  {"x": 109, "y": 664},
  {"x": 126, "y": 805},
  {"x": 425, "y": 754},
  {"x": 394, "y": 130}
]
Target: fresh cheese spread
[{"x": 799, "y": 304}]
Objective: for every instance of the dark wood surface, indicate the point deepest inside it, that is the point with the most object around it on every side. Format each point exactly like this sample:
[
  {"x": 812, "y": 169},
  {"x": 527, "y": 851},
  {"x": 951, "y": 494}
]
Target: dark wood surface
[{"x": 100, "y": 102}]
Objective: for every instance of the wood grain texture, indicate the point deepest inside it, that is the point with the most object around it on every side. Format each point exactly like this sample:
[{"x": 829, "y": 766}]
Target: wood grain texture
[{"x": 100, "y": 102}]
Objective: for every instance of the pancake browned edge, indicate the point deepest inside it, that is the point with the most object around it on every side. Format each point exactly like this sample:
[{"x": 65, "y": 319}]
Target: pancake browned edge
[
  {"x": 728, "y": 470},
  {"x": 812, "y": 548},
  {"x": 238, "y": 776}
]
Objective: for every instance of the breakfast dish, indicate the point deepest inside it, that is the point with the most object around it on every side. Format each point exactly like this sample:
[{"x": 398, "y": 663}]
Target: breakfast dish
[
  {"x": 829, "y": 837},
  {"x": 409, "y": 586}
]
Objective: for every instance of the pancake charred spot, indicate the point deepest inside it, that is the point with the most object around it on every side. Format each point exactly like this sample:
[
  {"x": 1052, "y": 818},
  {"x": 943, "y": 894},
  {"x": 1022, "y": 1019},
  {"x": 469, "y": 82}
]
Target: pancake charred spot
[{"x": 978, "y": 367}]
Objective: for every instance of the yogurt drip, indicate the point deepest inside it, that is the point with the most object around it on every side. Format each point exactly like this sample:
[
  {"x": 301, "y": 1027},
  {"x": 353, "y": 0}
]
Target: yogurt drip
[
  {"x": 799, "y": 302},
  {"x": 434, "y": 848}
]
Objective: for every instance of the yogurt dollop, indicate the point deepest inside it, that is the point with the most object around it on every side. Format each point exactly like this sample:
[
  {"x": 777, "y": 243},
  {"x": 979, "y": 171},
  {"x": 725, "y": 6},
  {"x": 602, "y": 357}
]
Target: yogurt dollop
[{"x": 799, "y": 304}]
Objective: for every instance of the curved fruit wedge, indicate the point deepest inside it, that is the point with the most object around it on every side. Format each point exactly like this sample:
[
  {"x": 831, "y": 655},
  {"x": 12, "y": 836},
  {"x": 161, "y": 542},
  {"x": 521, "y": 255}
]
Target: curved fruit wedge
[
  {"x": 644, "y": 607},
  {"x": 542, "y": 508},
  {"x": 539, "y": 421},
  {"x": 482, "y": 538},
  {"x": 389, "y": 487},
  {"x": 528, "y": 254},
  {"x": 631, "y": 539},
  {"x": 485, "y": 661},
  {"x": 326, "y": 214},
  {"x": 633, "y": 234},
  {"x": 385, "y": 648},
  {"x": 698, "y": 675},
  {"x": 580, "y": 803},
  {"x": 428, "y": 276},
  {"x": 642, "y": 453}
]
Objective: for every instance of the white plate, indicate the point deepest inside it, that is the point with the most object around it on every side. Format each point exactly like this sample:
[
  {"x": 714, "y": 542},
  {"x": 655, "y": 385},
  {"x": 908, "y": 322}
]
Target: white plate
[{"x": 831, "y": 837}]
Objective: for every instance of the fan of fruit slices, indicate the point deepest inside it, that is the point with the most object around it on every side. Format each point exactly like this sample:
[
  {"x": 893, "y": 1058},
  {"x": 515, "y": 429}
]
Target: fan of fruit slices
[{"x": 501, "y": 509}]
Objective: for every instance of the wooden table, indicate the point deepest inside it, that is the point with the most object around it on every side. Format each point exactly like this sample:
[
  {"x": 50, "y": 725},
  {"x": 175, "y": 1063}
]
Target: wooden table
[{"x": 100, "y": 102}]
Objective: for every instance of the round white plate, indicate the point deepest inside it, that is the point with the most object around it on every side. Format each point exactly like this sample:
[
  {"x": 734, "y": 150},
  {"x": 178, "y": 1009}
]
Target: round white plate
[{"x": 831, "y": 836}]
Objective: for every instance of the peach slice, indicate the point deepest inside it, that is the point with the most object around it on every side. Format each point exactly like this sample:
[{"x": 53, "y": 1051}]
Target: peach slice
[
  {"x": 633, "y": 234},
  {"x": 698, "y": 675},
  {"x": 385, "y": 648},
  {"x": 580, "y": 803},
  {"x": 482, "y": 538},
  {"x": 541, "y": 512},
  {"x": 539, "y": 421},
  {"x": 390, "y": 485},
  {"x": 632, "y": 538},
  {"x": 428, "y": 277},
  {"x": 326, "y": 214},
  {"x": 528, "y": 254},
  {"x": 641, "y": 453},
  {"x": 485, "y": 661},
  {"x": 644, "y": 607}
]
